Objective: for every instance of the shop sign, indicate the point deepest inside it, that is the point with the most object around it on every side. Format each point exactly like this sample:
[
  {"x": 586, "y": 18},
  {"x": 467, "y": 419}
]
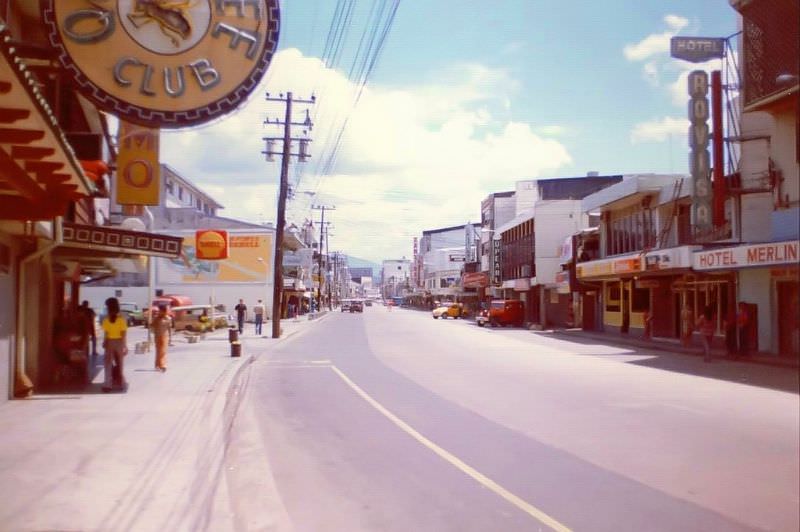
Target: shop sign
[
  {"x": 212, "y": 244},
  {"x": 565, "y": 250},
  {"x": 699, "y": 158},
  {"x": 668, "y": 258},
  {"x": 697, "y": 49},
  {"x": 521, "y": 285},
  {"x": 496, "y": 250},
  {"x": 138, "y": 176},
  {"x": 594, "y": 269},
  {"x": 745, "y": 256},
  {"x": 164, "y": 63},
  {"x": 475, "y": 280},
  {"x": 562, "y": 282},
  {"x": 785, "y": 272},
  {"x": 628, "y": 265}
]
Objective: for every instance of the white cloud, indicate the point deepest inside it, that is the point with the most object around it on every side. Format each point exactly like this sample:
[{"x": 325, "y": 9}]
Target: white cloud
[
  {"x": 654, "y": 47},
  {"x": 412, "y": 158},
  {"x": 659, "y": 130}
]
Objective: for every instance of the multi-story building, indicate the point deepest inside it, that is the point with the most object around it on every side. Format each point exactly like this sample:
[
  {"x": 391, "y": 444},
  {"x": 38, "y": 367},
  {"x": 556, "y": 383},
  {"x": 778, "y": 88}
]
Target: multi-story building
[
  {"x": 528, "y": 245},
  {"x": 765, "y": 184},
  {"x": 442, "y": 255},
  {"x": 396, "y": 278}
]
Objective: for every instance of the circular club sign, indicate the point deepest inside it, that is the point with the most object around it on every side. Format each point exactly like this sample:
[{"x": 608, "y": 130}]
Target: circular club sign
[{"x": 164, "y": 63}]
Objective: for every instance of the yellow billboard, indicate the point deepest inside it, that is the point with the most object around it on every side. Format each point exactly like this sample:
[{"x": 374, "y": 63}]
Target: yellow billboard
[
  {"x": 138, "y": 169},
  {"x": 250, "y": 261}
]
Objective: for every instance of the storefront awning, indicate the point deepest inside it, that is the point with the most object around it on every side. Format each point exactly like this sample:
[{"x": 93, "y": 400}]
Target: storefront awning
[
  {"x": 39, "y": 173},
  {"x": 111, "y": 242}
]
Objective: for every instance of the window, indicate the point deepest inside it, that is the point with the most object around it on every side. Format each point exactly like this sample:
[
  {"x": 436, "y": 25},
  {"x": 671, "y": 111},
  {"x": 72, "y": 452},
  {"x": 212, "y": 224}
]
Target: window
[
  {"x": 612, "y": 297},
  {"x": 180, "y": 192}
]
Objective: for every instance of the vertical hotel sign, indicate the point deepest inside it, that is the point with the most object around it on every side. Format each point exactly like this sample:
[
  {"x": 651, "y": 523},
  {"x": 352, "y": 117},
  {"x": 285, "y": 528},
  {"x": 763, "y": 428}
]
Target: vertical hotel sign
[
  {"x": 699, "y": 159},
  {"x": 138, "y": 170}
]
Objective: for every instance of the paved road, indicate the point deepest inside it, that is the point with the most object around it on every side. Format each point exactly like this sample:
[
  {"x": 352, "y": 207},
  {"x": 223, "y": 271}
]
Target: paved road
[{"x": 394, "y": 421}]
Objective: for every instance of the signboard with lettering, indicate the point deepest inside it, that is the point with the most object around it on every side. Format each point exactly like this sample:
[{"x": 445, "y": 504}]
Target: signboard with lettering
[
  {"x": 164, "y": 63},
  {"x": 699, "y": 158},
  {"x": 496, "y": 262},
  {"x": 768, "y": 254},
  {"x": 697, "y": 49},
  {"x": 250, "y": 261},
  {"x": 212, "y": 244},
  {"x": 138, "y": 178}
]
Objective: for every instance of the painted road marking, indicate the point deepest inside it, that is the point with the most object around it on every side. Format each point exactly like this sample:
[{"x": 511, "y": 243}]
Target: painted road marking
[{"x": 455, "y": 461}]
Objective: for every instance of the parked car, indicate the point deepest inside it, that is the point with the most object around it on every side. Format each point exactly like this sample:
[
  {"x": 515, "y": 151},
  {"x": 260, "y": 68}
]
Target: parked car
[
  {"x": 132, "y": 313},
  {"x": 506, "y": 312},
  {"x": 445, "y": 310},
  {"x": 188, "y": 318}
]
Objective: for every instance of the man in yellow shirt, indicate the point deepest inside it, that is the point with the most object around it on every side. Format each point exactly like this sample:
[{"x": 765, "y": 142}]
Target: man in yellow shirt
[{"x": 115, "y": 330}]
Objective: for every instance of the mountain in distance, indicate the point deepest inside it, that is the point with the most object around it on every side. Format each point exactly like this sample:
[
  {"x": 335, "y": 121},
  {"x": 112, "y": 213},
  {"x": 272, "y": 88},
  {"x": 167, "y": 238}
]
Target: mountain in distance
[{"x": 355, "y": 262}]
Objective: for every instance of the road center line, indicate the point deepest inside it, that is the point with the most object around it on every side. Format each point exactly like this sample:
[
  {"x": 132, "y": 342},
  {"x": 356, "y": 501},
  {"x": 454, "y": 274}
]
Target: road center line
[{"x": 454, "y": 460}]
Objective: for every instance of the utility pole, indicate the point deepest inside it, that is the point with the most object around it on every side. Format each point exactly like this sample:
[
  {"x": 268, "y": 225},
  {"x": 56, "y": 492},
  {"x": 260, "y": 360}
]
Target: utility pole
[
  {"x": 322, "y": 208},
  {"x": 286, "y": 154},
  {"x": 328, "y": 250}
]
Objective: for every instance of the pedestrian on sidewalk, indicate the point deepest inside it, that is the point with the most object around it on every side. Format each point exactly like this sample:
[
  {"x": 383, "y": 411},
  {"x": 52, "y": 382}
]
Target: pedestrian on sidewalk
[
  {"x": 258, "y": 312},
  {"x": 240, "y": 309},
  {"x": 161, "y": 331},
  {"x": 115, "y": 345},
  {"x": 706, "y": 325},
  {"x": 743, "y": 323}
]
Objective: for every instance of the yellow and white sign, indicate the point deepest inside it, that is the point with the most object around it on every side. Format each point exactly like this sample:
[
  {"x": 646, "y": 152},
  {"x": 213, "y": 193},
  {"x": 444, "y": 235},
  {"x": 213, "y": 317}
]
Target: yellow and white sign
[
  {"x": 164, "y": 63},
  {"x": 250, "y": 260},
  {"x": 138, "y": 169}
]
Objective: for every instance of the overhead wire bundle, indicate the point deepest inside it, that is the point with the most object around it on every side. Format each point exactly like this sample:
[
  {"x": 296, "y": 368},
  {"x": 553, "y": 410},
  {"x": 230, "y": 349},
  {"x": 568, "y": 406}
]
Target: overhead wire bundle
[{"x": 373, "y": 37}]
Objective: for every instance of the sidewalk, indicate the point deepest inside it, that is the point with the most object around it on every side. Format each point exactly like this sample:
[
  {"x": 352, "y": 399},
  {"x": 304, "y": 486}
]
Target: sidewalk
[
  {"x": 668, "y": 356},
  {"x": 153, "y": 458},
  {"x": 674, "y": 346}
]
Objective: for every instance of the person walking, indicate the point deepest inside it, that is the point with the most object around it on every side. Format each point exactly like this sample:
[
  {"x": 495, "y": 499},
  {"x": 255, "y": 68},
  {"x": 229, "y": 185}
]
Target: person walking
[
  {"x": 115, "y": 331},
  {"x": 258, "y": 313},
  {"x": 240, "y": 309},
  {"x": 706, "y": 325},
  {"x": 161, "y": 326}
]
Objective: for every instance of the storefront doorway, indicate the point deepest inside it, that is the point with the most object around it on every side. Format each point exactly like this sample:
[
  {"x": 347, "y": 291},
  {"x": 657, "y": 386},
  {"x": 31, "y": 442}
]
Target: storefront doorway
[{"x": 788, "y": 319}]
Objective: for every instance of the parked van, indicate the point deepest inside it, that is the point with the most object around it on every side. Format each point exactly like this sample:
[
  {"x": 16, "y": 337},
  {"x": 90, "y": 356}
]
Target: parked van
[{"x": 506, "y": 312}]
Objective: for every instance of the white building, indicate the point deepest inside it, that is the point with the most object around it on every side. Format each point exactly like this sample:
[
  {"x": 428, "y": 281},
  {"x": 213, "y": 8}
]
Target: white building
[{"x": 395, "y": 277}]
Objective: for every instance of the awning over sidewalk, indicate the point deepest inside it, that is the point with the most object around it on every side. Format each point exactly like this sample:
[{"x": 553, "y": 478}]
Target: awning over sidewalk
[
  {"x": 39, "y": 173},
  {"x": 111, "y": 242}
]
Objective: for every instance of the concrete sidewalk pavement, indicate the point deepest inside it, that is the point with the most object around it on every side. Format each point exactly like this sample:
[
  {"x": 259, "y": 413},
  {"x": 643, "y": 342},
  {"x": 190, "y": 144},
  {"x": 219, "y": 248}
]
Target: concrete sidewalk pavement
[{"x": 153, "y": 458}]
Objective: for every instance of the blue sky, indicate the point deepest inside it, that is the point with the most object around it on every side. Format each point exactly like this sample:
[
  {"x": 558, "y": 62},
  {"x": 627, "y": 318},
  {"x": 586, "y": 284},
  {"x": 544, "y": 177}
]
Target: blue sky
[{"x": 467, "y": 98}]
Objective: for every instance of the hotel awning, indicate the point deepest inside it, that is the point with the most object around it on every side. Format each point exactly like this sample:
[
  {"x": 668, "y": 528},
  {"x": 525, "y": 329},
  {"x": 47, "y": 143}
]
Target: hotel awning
[{"x": 39, "y": 173}]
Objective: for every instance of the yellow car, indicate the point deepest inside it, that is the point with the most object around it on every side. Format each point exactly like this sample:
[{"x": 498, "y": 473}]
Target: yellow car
[{"x": 445, "y": 310}]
